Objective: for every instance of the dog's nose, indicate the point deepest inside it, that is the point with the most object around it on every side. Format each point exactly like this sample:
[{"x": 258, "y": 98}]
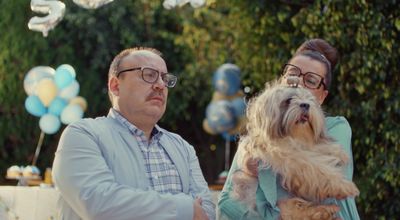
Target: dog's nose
[{"x": 305, "y": 106}]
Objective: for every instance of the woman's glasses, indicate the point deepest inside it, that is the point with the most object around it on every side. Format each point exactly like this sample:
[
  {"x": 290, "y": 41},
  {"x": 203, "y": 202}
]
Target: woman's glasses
[{"x": 310, "y": 80}]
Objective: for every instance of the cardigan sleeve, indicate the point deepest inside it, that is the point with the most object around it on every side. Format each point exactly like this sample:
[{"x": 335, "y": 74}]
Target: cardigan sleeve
[
  {"x": 229, "y": 208},
  {"x": 340, "y": 130}
]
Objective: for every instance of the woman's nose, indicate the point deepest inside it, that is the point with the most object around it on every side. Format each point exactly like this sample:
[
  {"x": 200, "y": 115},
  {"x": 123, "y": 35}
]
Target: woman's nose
[{"x": 293, "y": 81}]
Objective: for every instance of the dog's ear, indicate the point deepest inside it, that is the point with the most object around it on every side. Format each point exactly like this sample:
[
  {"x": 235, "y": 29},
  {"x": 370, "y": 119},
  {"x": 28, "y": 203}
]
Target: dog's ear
[
  {"x": 275, "y": 113},
  {"x": 264, "y": 113},
  {"x": 318, "y": 124}
]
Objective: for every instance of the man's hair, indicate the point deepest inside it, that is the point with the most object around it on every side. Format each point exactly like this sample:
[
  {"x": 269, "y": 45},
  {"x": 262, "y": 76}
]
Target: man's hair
[{"x": 114, "y": 66}]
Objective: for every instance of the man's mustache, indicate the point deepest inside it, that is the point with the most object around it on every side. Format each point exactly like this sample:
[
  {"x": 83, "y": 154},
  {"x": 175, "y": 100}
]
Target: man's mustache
[{"x": 157, "y": 95}]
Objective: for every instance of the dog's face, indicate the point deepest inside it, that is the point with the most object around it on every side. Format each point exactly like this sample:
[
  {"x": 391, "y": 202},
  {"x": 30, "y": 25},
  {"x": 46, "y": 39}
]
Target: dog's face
[{"x": 284, "y": 111}]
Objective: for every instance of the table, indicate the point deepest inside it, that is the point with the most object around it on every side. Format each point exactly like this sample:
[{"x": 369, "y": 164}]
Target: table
[
  {"x": 27, "y": 203},
  {"x": 36, "y": 203}
]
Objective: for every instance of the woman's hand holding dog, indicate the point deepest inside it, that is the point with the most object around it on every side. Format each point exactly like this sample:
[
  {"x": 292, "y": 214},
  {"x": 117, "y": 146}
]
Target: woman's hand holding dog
[{"x": 251, "y": 166}]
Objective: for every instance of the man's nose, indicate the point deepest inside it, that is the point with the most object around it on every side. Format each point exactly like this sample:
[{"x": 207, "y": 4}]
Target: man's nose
[{"x": 159, "y": 84}]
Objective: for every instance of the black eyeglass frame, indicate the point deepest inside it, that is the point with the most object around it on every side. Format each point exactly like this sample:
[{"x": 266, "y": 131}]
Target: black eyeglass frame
[
  {"x": 159, "y": 73},
  {"x": 321, "y": 82}
]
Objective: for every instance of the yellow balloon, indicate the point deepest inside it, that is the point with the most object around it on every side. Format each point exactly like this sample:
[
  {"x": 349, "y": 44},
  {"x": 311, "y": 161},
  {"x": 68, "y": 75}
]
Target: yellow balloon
[
  {"x": 80, "y": 101},
  {"x": 207, "y": 128},
  {"x": 46, "y": 90},
  {"x": 240, "y": 126}
]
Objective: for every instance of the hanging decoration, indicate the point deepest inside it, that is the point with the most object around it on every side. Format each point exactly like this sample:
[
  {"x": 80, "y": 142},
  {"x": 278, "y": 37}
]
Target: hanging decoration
[
  {"x": 91, "y": 4},
  {"x": 169, "y": 4},
  {"x": 55, "y": 11},
  {"x": 225, "y": 114}
]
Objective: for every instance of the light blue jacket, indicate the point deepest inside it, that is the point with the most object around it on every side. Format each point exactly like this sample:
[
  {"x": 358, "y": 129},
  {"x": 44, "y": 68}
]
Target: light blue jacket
[
  {"x": 100, "y": 173},
  {"x": 270, "y": 191}
]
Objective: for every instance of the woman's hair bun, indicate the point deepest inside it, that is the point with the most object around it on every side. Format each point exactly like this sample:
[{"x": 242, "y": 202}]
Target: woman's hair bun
[{"x": 322, "y": 47}]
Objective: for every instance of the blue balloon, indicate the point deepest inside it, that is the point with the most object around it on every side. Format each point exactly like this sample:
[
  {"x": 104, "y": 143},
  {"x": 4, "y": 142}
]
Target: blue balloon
[
  {"x": 71, "y": 113},
  {"x": 69, "y": 68},
  {"x": 49, "y": 123},
  {"x": 230, "y": 137},
  {"x": 34, "y": 106},
  {"x": 57, "y": 106},
  {"x": 227, "y": 79},
  {"x": 220, "y": 116},
  {"x": 64, "y": 76},
  {"x": 239, "y": 106}
]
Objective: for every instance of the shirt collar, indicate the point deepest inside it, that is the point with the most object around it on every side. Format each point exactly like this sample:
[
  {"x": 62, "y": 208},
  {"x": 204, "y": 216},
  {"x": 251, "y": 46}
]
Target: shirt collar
[{"x": 113, "y": 113}]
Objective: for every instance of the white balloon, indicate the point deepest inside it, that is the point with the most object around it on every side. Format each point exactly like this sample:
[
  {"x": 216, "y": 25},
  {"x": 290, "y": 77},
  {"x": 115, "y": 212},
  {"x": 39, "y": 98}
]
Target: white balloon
[
  {"x": 71, "y": 113},
  {"x": 169, "y": 4},
  {"x": 33, "y": 77},
  {"x": 180, "y": 3},
  {"x": 54, "y": 9},
  {"x": 91, "y": 4},
  {"x": 70, "y": 91},
  {"x": 197, "y": 3}
]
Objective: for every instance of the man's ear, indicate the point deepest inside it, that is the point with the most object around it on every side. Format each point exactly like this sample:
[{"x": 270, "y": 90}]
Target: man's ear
[{"x": 113, "y": 85}]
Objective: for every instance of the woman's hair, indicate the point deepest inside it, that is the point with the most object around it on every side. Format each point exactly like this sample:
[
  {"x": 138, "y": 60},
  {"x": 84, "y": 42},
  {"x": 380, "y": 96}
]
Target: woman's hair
[{"x": 320, "y": 50}]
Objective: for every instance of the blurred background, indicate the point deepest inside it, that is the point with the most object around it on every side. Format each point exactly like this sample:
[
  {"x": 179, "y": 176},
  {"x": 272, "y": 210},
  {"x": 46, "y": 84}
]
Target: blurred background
[{"x": 258, "y": 36}]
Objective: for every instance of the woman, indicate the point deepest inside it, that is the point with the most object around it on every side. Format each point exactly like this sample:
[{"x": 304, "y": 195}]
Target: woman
[{"x": 313, "y": 61}]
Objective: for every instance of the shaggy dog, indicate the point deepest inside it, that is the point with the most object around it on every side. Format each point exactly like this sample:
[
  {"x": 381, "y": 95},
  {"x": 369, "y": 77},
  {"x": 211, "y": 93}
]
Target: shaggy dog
[{"x": 286, "y": 132}]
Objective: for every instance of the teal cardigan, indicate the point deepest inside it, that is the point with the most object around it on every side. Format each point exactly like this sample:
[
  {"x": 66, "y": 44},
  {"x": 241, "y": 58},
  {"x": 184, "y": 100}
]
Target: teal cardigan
[{"x": 270, "y": 190}]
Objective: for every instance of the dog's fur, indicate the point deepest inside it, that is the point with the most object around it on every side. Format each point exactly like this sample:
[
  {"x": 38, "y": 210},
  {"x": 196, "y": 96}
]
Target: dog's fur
[{"x": 286, "y": 132}]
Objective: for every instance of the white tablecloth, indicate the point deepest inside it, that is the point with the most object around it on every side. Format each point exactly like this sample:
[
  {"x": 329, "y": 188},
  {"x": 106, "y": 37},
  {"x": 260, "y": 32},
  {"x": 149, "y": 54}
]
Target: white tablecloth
[
  {"x": 27, "y": 203},
  {"x": 34, "y": 203}
]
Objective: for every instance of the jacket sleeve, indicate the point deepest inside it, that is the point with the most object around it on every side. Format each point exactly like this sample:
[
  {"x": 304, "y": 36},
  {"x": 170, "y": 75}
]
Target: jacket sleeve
[
  {"x": 340, "y": 130},
  {"x": 198, "y": 187},
  {"x": 229, "y": 208},
  {"x": 87, "y": 184}
]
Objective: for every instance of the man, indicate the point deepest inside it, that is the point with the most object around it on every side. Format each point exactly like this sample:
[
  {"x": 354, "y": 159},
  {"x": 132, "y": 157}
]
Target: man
[{"x": 124, "y": 166}]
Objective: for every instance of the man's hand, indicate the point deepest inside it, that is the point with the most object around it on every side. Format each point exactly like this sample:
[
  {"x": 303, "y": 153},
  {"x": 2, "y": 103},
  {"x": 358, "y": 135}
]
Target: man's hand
[{"x": 198, "y": 212}]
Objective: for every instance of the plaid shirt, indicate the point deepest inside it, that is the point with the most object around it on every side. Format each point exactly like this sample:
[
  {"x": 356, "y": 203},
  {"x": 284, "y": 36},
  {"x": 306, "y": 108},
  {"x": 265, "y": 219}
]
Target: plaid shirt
[{"x": 161, "y": 171}]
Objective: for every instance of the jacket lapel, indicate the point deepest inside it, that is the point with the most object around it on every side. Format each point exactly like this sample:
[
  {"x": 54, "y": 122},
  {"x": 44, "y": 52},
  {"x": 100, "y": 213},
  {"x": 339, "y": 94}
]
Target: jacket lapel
[{"x": 177, "y": 158}]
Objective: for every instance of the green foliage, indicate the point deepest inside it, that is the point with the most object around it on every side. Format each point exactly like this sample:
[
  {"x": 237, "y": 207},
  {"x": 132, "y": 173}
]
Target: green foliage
[{"x": 259, "y": 36}]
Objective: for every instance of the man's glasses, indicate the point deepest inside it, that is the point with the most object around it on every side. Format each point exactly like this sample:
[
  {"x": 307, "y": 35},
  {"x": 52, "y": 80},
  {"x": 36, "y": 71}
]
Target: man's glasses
[
  {"x": 151, "y": 75},
  {"x": 310, "y": 80}
]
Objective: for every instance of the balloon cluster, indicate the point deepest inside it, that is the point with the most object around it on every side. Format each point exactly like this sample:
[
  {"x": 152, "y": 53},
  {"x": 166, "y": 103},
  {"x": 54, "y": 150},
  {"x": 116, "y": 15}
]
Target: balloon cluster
[
  {"x": 52, "y": 96},
  {"x": 169, "y": 4},
  {"x": 225, "y": 113}
]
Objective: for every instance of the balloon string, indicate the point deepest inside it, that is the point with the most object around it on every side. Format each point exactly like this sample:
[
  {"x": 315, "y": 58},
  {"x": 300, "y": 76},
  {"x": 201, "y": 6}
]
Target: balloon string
[
  {"x": 38, "y": 147},
  {"x": 227, "y": 153}
]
